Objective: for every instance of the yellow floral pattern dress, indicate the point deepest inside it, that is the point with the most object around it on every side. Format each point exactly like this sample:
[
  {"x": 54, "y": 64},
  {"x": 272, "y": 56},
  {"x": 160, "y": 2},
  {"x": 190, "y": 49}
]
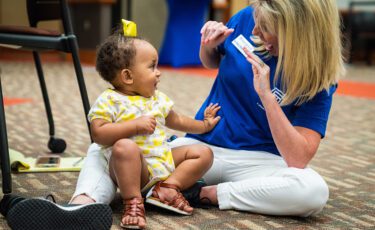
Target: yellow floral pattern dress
[{"x": 115, "y": 107}]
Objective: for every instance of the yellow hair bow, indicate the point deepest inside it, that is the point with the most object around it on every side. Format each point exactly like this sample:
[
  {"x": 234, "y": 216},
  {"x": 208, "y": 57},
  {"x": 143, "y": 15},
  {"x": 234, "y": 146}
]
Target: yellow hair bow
[{"x": 130, "y": 28}]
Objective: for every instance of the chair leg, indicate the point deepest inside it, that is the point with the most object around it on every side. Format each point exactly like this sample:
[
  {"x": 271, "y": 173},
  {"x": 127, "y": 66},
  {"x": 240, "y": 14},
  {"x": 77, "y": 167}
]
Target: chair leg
[
  {"x": 43, "y": 87},
  {"x": 4, "y": 150},
  {"x": 368, "y": 52},
  {"x": 81, "y": 81},
  {"x": 56, "y": 145}
]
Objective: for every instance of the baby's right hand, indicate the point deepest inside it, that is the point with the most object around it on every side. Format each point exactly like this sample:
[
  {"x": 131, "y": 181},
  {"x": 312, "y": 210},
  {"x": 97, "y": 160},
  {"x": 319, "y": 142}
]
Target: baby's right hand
[
  {"x": 145, "y": 125},
  {"x": 214, "y": 33}
]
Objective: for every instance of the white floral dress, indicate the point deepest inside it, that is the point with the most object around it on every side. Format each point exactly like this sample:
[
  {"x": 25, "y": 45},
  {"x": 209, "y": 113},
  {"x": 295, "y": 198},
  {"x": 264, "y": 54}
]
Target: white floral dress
[{"x": 115, "y": 107}]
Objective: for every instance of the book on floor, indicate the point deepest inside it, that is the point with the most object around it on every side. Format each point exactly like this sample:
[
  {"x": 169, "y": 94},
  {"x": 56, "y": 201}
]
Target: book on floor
[{"x": 45, "y": 163}]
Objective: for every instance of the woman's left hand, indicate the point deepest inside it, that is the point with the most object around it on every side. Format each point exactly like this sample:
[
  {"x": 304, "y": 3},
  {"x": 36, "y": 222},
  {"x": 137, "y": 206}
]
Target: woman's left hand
[{"x": 261, "y": 73}]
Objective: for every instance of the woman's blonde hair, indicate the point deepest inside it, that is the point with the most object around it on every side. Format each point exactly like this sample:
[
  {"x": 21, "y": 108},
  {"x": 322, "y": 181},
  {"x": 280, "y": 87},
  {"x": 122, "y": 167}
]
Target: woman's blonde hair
[{"x": 309, "y": 39}]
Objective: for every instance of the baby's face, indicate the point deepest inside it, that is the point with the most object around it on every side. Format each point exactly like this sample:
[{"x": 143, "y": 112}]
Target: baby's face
[{"x": 145, "y": 69}]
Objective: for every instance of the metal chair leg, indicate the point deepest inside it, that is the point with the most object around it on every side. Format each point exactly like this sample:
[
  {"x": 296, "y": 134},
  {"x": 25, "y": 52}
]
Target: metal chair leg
[
  {"x": 4, "y": 149},
  {"x": 368, "y": 51},
  {"x": 43, "y": 87},
  {"x": 81, "y": 81},
  {"x": 56, "y": 145}
]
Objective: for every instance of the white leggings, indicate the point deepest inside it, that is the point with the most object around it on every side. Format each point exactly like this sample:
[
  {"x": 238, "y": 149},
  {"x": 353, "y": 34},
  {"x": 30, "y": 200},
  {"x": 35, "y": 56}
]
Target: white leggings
[{"x": 253, "y": 181}]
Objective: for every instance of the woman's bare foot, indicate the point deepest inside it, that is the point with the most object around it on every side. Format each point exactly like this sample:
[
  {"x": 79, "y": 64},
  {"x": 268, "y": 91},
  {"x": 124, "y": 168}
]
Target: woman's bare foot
[
  {"x": 82, "y": 199},
  {"x": 209, "y": 194}
]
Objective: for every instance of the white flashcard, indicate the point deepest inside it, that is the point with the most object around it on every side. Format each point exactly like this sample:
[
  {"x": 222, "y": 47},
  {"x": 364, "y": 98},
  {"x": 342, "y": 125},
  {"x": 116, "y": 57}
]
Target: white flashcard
[{"x": 240, "y": 42}]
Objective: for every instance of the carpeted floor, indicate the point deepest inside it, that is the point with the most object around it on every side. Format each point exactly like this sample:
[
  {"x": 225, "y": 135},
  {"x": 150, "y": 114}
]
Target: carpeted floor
[{"x": 345, "y": 159}]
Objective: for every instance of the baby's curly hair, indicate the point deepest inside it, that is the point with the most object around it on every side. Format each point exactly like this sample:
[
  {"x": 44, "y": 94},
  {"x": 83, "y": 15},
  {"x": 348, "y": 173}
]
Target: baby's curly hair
[{"x": 114, "y": 54}]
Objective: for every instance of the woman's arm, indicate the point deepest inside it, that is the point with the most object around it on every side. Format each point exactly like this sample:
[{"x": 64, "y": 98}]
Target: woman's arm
[
  {"x": 107, "y": 133},
  {"x": 186, "y": 124},
  {"x": 297, "y": 145},
  {"x": 210, "y": 57},
  {"x": 213, "y": 34}
]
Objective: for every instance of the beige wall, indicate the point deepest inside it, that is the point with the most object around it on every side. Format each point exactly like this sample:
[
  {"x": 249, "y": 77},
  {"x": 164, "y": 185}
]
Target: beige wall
[
  {"x": 151, "y": 18},
  {"x": 237, "y": 5},
  {"x": 150, "y": 15},
  {"x": 153, "y": 26},
  {"x": 344, "y": 5},
  {"x": 13, "y": 12}
]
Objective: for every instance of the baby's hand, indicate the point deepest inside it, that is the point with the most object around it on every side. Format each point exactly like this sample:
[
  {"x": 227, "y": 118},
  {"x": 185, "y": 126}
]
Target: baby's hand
[
  {"x": 210, "y": 120},
  {"x": 145, "y": 125}
]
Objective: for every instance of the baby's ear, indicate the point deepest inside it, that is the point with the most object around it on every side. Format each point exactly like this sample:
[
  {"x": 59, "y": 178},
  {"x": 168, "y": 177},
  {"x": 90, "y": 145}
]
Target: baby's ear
[{"x": 126, "y": 76}]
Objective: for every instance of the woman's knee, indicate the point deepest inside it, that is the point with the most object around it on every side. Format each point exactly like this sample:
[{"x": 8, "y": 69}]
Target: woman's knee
[
  {"x": 125, "y": 149},
  {"x": 313, "y": 194}
]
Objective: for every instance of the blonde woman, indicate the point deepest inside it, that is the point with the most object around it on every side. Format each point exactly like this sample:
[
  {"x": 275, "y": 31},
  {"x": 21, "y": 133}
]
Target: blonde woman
[{"x": 275, "y": 105}]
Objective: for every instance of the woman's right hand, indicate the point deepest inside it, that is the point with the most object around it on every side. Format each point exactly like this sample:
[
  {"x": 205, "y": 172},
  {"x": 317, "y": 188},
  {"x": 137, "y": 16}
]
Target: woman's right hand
[
  {"x": 261, "y": 73},
  {"x": 214, "y": 33}
]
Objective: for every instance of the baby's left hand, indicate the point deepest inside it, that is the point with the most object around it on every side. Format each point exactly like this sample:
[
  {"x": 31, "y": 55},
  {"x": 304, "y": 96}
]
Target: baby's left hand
[{"x": 210, "y": 119}]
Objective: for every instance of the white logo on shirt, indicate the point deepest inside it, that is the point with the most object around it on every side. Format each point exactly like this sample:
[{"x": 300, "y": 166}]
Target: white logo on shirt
[{"x": 279, "y": 95}]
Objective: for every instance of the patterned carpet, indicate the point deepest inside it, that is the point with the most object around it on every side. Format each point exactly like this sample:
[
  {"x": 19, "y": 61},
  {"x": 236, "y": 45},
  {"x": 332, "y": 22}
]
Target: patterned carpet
[{"x": 345, "y": 159}]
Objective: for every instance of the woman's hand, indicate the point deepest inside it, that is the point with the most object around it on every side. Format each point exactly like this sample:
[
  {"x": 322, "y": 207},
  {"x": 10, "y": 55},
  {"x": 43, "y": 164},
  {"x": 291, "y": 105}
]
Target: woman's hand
[
  {"x": 214, "y": 33},
  {"x": 210, "y": 119},
  {"x": 261, "y": 73}
]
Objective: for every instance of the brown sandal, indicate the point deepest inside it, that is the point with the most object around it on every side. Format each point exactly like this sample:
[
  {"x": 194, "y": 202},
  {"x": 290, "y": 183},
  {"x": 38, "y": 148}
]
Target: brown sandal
[
  {"x": 133, "y": 207},
  {"x": 177, "y": 204}
]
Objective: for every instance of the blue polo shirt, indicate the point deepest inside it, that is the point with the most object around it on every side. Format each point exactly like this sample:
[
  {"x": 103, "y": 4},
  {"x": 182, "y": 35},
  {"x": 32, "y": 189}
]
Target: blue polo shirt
[{"x": 243, "y": 123}]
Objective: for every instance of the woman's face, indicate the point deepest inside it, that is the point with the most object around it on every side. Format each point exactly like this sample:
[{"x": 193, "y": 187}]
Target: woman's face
[{"x": 270, "y": 40}]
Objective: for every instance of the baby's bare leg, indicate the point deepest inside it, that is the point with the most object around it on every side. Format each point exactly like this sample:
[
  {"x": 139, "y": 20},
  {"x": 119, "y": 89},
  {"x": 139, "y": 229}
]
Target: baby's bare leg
[
  {"x": 191, "y": 162},
  {"x": 129, "y": 169}
]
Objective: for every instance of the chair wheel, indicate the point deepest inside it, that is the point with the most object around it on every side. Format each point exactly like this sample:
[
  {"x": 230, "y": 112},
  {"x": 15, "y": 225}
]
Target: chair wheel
[{"x": 56, "y": 145}]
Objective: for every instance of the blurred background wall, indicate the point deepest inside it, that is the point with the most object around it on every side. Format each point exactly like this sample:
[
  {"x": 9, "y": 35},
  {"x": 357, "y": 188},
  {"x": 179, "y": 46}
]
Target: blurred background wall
[
  {"x": 151, "y": 18},
  {"x": 13, "y": 12},
  {"x": 151, "y": 15},
  {"x": 94, "y": 19}
]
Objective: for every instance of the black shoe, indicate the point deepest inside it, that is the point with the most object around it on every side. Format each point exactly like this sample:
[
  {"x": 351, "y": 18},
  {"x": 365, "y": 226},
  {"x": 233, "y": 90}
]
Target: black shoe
[
  {"x": 42, "y": 214},
  {"x": 8, "y": 202},
  {"x": 192, "y": 195}
]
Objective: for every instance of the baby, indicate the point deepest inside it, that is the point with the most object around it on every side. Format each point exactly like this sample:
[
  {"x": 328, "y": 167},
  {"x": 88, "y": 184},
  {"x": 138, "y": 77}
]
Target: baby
[{"x": 129, "y": 121}]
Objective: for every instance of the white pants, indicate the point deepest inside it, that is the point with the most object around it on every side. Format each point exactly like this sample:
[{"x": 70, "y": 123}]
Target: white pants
[{"x": 253, "y": 181}]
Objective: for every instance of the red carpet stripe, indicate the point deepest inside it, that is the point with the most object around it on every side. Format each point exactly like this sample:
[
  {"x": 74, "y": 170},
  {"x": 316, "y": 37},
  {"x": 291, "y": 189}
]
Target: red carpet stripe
[
  {"x": 201, "y": 71},
  {"x": 357, "y": 89},
  {"x": 15, "y": 101}
]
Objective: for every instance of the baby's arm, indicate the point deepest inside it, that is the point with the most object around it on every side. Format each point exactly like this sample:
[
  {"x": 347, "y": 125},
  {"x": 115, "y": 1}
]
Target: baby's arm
[
  {"x": 186, "y": 124},
  {"x": 107, "y": 133}
]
